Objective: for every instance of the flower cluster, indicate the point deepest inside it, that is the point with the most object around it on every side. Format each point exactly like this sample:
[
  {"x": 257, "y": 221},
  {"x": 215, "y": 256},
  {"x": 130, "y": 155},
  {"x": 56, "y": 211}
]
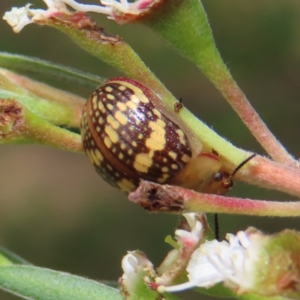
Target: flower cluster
[
  {"x": 121, "y": 12},
  {"x": 232, "y": 262},
  {"x": 248, "y": 262}
]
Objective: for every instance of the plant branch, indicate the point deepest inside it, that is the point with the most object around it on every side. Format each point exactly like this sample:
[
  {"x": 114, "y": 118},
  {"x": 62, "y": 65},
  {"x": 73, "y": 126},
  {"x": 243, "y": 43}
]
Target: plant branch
[
  {"x": 180, "y": 23},
  {"x": 64, "y": 108},
  {"x": 155, "y": 197},
  {"x": 223, "y": 80},
  {"x": 266, "y": 173},
  {"x": 120, "y": 55},
  {"x": 185, "y": 26},
  {"x": 19, "y": 125},
  {"x": 54, "y": 105}
]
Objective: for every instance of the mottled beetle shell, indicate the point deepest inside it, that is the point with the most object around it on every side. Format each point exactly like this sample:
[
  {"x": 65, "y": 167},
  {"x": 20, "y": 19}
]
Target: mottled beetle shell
[{"x": 127, "y": 139}]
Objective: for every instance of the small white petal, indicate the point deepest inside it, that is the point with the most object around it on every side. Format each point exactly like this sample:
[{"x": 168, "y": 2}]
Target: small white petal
[
  {"x": 122, "y": 6},
  {"x": 191, "y": 219},
  {"x": 232, "y": 262},
  {"x": 129, "y": 263},
  {"x": 244, "y": 239},
  {"x": 194, "y": 236},
  {"x": 88, "y": 7},
  {"x": 17, "y": 18},
  {"x": 176, "y": 288}
]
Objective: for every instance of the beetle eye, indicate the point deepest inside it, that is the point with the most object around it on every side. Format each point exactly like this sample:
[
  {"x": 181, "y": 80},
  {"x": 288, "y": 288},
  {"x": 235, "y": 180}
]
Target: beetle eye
[{"x": 218, "y": 176}]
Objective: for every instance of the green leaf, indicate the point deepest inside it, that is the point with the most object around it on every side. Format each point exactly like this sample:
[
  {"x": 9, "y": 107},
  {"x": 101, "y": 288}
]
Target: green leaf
[
  {"x": 43, "y": 284},
  {"x": 35, "y": 66},
  {"x": 184, "y": 25},
  {"x": 14, "y": 258}
]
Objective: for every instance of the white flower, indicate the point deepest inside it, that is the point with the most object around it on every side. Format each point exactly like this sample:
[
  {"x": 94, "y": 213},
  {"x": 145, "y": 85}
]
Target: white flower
[
  {"x": 188, "y": 240},
  {"x": 232, "y": 262},
  {"x": 19, "y": 17}
]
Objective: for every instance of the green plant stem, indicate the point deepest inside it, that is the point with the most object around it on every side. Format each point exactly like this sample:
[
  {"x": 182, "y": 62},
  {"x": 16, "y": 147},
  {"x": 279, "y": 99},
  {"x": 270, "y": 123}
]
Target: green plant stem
[
  {"x": 184, "y": 25},
  {"x": 42, "y": 132},
  {"x": 23, "y": 126},
  {"x": 55, "y": 105},
  {"x": 111, "y": 50},
  {"x": 54, "y": 113}
]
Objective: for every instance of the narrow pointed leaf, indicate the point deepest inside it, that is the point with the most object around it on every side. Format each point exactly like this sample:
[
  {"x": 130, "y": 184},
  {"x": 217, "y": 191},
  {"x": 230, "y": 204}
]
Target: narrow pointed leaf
[
  {"x": 43, "y": 284},
  {"x": 35, "y": 66},
  {"x": 14, "y": 258}
]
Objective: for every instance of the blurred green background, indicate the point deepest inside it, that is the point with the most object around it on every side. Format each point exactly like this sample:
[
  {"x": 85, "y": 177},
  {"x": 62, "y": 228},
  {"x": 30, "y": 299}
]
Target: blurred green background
[{"x": 54, "y": 209}]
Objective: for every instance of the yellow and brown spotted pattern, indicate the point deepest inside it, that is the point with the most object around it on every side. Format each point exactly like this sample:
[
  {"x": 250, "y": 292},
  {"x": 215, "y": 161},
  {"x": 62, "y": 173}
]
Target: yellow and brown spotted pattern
[{"x": 127, "y": 139}]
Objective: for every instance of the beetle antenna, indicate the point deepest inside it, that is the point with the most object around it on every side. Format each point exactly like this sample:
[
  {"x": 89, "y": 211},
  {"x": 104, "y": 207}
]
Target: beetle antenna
[
  {"x": 242, "y": 164},
  {"x": 217, "y": 227},
  {"x": 227, "y": 183}
]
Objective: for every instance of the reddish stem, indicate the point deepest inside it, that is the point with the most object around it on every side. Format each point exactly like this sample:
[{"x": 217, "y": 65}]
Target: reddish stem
[
  {"x": 155, "y": 197},
  {"x": 269, "y": 174},
  {"x": 252, "y": 120}
]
